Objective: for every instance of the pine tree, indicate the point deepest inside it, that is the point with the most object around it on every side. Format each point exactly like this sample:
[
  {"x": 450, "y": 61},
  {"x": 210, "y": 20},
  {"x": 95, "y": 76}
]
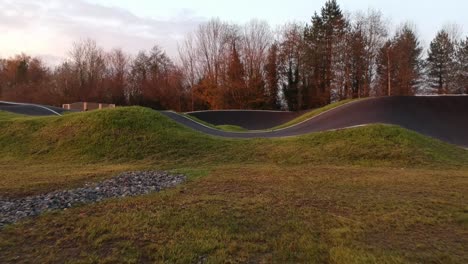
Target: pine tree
[
  {"x": 440, "y": 63},
  {"x": 291, "y": 89},
  {"x": 326, "y": 52},
  {"x": 408, "y": 52},
  {"x": 334, "y": 26},
  {"x": 400, "y": 64},
  {"x": 291, "y": 65},
  {"x": 315, "y": 62},
  {"x": 357, "y": 65}
]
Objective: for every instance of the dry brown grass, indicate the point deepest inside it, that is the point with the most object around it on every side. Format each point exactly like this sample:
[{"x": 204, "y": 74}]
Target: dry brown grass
[{"x": 264, "y": 214}]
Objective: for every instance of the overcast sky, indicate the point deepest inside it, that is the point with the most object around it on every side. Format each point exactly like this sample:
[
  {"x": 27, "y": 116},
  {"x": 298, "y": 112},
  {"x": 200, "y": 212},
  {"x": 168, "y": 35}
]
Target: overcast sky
[{"x": 47, "y": 28}]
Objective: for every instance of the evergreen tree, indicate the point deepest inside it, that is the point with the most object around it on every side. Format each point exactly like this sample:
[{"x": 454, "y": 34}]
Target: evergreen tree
[
  {"x": 440, "y": 63},
  {"x": 400, "y": 64},
  {"x": 357, "y": 65},
  {"x": 334, "y": 26},
  {"x": 407, "y": 61},
  {"x": 315, "y": 62},
  {"x": 291, "y": 89},
  {"x": 326, "y": 51},
  {"x": 291, "y": 65}
]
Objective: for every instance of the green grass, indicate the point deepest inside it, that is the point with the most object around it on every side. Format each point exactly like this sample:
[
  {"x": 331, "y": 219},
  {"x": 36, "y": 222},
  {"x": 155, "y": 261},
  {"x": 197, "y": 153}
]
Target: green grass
[
  {"x": 376, "y": 194},
  {"x": 314, "y": 113},
  {"x": 4, "y": 116},
  {"x": 231, "y": 128}
]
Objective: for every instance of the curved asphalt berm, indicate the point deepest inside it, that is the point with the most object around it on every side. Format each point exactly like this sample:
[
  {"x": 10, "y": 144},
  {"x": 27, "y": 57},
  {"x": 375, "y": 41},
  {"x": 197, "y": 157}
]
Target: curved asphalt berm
[
  {"x": 444, "y": 118},
  {"x": 248, "y": 119},
  {"x": 30, "y": 109}
]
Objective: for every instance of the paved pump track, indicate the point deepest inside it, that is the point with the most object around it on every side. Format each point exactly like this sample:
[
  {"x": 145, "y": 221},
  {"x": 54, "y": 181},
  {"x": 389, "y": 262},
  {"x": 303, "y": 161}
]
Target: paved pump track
[
  {"x": 444, "y": 118},
  {"x": 30, "y": 109},
  {"x": 441, "y": 117},
  {"x": 248, "y": 119}
]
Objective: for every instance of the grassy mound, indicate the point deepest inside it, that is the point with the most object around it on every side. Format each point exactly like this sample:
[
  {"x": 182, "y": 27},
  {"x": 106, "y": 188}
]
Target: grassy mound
[{"x": 135, "y": 133}]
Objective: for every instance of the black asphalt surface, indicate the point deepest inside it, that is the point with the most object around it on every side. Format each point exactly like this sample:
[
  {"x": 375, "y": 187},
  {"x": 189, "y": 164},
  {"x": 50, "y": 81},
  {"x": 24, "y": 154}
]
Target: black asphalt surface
[
  {"x": 251, "y": 120},
  {"x": 30, "y": 109},
  {"x": 444, "y": 118}
]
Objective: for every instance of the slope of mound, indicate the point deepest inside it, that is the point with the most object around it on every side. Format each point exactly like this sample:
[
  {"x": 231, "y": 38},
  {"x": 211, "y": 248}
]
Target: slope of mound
[{"x": 136, "y": 133}]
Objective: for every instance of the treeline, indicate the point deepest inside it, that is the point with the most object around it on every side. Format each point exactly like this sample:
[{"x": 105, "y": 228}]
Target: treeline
[
  {"x": 93, "y": 75},
  {"x": 227, "y": 66}
]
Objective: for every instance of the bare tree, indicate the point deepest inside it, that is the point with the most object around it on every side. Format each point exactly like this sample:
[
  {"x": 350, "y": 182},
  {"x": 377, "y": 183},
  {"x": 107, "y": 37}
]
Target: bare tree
[
  {"x": 189, "y": 66},
  {"x": 212, "y": 39},
  {"x": 256, "y": 39},
  {"x": 454, "y": 31},
  {"x": 89, "y": 65},
  {"x": 374, "y": 29},
  {"x": 117, "y": 66}
]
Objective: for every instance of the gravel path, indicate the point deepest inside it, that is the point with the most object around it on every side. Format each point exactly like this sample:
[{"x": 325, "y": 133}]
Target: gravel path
[{"x": 124, "y": 185}]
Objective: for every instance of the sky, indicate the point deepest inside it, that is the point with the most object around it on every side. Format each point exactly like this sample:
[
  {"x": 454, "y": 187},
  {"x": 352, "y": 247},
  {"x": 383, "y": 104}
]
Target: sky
[{"x": 47, "y": 28}]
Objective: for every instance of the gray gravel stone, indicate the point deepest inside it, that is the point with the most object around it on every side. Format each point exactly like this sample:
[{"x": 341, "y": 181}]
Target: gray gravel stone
[{"x": 124, "y": 185}]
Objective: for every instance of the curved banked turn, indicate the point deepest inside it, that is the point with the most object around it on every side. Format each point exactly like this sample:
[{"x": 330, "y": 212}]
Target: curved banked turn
[
  {"x": 30, "y": 109},
  {"x": 248, "y": 119},
  {"x": 444, "y": 118}
]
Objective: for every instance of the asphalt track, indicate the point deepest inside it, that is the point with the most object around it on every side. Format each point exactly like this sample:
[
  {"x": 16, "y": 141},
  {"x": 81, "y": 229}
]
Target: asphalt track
[
  {"x": 248, "y": 119},
  {"x": 441, "y": 117},
  {"x": 30, "y": 109}
]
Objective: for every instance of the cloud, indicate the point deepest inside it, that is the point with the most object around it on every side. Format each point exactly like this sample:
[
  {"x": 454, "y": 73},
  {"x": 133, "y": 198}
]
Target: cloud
[{"x": 50, "y": 28}]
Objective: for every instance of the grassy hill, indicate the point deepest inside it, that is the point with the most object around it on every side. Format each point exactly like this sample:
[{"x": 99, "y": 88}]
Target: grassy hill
[
  {"x": 363, "y": 195},
  {"x": 135, "y": 133}
]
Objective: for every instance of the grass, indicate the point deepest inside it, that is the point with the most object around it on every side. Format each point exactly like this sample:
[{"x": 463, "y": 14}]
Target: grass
[
  {"x": 231, "y": 128},
  {"x": 22, "y": 178},
  {"x": 377, "y": 194},
  {"x": 4, "y": 116},
  {"x": 263, "y": 214}
]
